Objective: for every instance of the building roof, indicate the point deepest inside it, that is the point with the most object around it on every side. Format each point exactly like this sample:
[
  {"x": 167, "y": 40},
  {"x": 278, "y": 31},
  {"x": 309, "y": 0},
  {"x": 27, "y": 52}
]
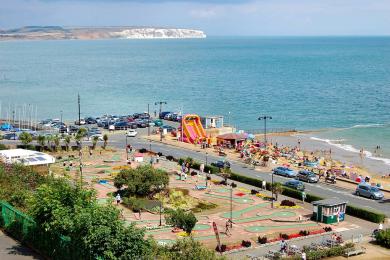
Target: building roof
[
  {"x": 26, "y": 157},
  {"x": 232, "y": 136},
  {"x": 329, "y": 202}
]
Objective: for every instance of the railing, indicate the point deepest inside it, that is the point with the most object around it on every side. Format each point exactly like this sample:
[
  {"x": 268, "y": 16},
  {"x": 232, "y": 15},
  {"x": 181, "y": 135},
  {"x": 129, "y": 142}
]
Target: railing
[
  {"x": 270, "y": 130},
  {"x": 24, "y": 228}
]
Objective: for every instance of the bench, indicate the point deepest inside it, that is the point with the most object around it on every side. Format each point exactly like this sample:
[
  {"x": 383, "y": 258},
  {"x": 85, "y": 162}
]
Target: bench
[{"x": 355, "y": 251}]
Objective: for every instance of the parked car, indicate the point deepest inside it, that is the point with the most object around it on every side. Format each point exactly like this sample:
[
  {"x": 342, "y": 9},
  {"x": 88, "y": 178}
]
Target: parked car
[
  {"x": 73, "y": 129},
  {"x": 372, "y": 192},
  {"x": 132, "y": 125},
  {"x": 178, "y": 118},
  {"x": 158, "y": 122},
  {"x": 169, "y": 128},
  {"x": 307, "y": 176},
  {"x": 99, "y": 136},
  {"x": 221, "y": 164},
  {"x": 90, "y": 120},
  {"x": 295, "y": 184},
  {"x": 168, "y": 116},
  {"x": 132, "y": 133},
  {"x": 162, "y": 114},
  {"x": 82, "y": 122},
  {"x": 141, "y": 123},
  {"x": 11, "y": 136},
  {"x": 284, "y": 171},
  {"x": 120, "y": 125}
]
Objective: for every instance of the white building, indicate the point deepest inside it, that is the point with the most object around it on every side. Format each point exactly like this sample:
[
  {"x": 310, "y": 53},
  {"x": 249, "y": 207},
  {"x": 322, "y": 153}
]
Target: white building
[{"x": 26, "y": 157}]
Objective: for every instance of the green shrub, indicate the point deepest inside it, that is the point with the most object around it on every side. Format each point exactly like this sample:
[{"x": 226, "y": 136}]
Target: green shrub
[
  {"x": 365, "y": 214},
  {"x": 181, "y": 219},
  {"x": 383, "y": 238},
  {"x": 3, "y": 147}
]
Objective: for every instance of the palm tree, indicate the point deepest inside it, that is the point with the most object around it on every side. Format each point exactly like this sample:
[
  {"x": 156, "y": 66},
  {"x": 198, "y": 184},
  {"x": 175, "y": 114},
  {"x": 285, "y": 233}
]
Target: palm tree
[
  {"x": 95, "y": 139},
  {"x": 67, "y": 139},
  {"x": 105, "y": 139},
  {"x": 49, "y": 140},
  {"x": 26, "y": 138},
  {"x": 277, "y": 189},
  {"x": 41, "y": 141},
  {"x": 56, "y": 140}
]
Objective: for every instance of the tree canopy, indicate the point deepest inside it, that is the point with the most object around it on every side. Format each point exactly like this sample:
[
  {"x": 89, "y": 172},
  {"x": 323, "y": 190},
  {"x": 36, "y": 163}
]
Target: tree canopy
[{"x": 142, "y": 181}]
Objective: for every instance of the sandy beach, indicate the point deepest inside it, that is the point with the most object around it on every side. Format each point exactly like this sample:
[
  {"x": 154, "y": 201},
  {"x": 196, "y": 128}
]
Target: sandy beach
[{"x": 373, "y": 166}]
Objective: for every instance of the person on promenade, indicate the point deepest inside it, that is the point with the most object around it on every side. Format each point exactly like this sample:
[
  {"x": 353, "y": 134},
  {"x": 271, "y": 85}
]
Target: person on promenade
[
  {"x": 201, "y": 168},
  {"x": 263, "y": 185},
  {"x": 283, "y": 246},
  {"x": 118, "y": 199}
]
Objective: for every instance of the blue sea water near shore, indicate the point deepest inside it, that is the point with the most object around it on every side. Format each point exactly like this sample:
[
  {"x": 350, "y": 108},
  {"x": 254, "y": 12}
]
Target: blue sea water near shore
[{"x": 337, "y": 83}]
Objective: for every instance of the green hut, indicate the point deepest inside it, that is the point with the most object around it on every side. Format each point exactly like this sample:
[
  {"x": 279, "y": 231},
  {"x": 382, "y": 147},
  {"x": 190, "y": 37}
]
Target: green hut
[{"x": 329, "y": 210}]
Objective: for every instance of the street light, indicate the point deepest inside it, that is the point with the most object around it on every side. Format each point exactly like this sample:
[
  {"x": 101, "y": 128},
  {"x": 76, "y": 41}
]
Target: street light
[
  {"x": 61, "y": 117},
  {"x": 206, "y": 158},
  {"x": 231, "y": 204},
  {"x": 160, "y": 213},
  {"x": 127, "y": 151},
  {"x": 272, "y": 189},
  {"x": 265, "y": 127},
  {"x": 160, "y": 103}
]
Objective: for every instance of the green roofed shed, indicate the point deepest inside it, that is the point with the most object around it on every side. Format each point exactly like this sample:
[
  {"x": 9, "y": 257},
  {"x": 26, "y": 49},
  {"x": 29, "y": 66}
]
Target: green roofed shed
[{"x": 329, "y": 210}]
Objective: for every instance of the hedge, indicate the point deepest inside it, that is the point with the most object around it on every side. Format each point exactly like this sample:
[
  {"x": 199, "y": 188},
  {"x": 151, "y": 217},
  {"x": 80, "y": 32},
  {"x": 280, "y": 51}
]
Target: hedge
[
  {"x": 383, "y": 238},
  {"x": 365, "y": 214}
]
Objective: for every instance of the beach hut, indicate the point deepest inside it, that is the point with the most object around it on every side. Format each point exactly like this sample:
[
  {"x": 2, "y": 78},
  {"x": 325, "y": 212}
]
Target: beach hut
[
  {"x": 329, "y": 211},
  {"x": 232, "y": 139}
]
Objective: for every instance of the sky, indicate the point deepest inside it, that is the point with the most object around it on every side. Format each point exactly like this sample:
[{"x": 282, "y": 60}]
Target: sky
[{"x": 220, "y": 18}]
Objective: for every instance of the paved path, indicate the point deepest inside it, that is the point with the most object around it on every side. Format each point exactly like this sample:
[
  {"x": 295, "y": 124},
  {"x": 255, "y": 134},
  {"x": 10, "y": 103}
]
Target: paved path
[{"x": 13, "y": 250}]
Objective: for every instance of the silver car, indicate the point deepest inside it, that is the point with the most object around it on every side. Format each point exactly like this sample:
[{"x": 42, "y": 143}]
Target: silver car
[{"x": 368, "y": 191}]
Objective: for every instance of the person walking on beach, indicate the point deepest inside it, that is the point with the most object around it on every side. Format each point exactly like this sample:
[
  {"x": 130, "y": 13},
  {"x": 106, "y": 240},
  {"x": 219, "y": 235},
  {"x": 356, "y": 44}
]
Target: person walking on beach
[{"x": 118, "y": 199}]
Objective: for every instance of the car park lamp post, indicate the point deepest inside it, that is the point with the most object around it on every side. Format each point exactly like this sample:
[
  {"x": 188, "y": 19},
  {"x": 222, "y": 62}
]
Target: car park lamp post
[
  {"x": 160, "y": 103},
  {"x": 264, "y": 118},
  {"x": 206, "y": 158},
  {"x": 127, "y": 151},
  {"x": 272, "y": 189}
]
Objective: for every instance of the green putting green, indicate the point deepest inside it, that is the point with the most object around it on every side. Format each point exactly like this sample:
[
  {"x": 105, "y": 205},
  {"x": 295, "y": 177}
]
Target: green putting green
[
  {"x": 101, "y": 166},
  {"x": 199, "y": 227},
  {"x": 116, "y": 157},
  {"x": 281, "y": 214},
  {"x": 157, "y": 231},
  {"x": 102, "y": 200},
  {"x": 256, "y": 229},
  {"x": 222, "y": 190},
  {"x": 238, "y": 213},
  {"x": 237, "y": 200},
  {"x": 208, "y": 237}
]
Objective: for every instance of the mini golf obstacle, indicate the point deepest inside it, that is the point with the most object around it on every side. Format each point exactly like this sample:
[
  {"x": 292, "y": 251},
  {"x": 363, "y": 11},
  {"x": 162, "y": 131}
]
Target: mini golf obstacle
[
  {"x": 238, "y": 213},
  {"x": 281, "y": 214},
  {"x": 257, "y": 229},
  {"x": 236, "y": 200}
]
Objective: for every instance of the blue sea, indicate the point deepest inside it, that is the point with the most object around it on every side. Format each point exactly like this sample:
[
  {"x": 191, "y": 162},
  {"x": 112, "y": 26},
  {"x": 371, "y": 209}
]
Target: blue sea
[{"x": 341, "y": 84}]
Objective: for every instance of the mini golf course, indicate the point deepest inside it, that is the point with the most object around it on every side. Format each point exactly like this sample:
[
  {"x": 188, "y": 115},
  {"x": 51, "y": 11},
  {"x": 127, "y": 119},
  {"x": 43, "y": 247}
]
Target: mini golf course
[
  {"x": 236, "y": 200},
  {"x": 238, "y": 213},
  {"x": 256, "y": 229}
]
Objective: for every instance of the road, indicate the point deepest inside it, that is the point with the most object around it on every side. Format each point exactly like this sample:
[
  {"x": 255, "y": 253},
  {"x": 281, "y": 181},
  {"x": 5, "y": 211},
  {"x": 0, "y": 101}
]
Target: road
[
  {"x": 319, "y": 189},
  {"x": 11, "y": 249}
]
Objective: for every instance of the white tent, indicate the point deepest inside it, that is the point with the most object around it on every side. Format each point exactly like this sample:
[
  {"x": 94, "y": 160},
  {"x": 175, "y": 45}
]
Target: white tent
[{"x": 26, "y": 157}]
